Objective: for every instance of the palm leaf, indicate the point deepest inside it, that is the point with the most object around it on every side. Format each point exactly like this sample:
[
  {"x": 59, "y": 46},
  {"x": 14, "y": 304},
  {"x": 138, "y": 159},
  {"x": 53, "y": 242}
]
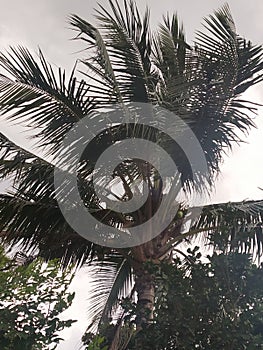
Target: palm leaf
[
  {"x": 38, "y": 227},
  {"x": 122, "y": 53},
  {"x": 112, "y": 280},
  {"x": 170, "y": 48},
  {"x": 37, "y": 99},
  {"x": 234, "y": 226},
  {"x": 206, "y": 94}
]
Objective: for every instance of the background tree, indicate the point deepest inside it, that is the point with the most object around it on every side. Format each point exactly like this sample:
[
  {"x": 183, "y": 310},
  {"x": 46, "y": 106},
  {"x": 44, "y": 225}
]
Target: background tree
[
  {"x": 202, "y": 302},
  {"x": 32, "y": 297},
  {"x": 124, "y": 63}
]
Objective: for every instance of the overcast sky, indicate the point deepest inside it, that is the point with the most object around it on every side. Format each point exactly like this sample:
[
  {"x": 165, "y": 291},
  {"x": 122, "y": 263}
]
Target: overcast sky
[{"x": 43, "y": 23}]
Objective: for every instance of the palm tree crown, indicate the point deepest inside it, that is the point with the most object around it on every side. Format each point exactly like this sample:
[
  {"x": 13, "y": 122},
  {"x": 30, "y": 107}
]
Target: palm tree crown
[{"x": 125, "y": 63}]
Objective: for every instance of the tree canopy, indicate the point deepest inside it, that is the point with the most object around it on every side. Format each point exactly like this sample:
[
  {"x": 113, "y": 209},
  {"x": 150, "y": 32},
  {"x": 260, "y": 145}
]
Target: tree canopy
[
  {"x": 32, "y": 297},
  {"x": 127, "y": 68}
]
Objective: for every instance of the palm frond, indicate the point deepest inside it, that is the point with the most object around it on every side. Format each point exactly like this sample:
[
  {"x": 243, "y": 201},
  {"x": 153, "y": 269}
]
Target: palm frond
[
  {"x": 112, "y": 281},
  {"x": 170, "y": 48},
  {"x": 37, "y": 98},
  {"x": 120, "y": 68},
  {"x": 29, "y": 175},
  {"x": 38, "y": 226},
  {"x": 206, "y": 93},
  {"x": 234, "y": 226},
  {"x": 14, "y": 158}
]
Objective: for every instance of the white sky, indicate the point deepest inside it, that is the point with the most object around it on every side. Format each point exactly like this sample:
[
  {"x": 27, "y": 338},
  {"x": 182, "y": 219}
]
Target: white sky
[{"x": 43, "y": 23}]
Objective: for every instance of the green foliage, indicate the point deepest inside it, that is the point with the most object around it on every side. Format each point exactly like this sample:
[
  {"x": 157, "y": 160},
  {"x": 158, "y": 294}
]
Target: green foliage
[
  {"x": 94, "y": 342},
  {"x": 31, "y": 299},
  {"x": 206, "y": 305},
  {"x": 201, "y": 303}
]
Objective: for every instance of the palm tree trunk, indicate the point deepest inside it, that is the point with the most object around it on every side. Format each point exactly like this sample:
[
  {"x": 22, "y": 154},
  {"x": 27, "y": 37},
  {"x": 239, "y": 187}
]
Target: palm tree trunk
[{"x": 144, "y": 286}]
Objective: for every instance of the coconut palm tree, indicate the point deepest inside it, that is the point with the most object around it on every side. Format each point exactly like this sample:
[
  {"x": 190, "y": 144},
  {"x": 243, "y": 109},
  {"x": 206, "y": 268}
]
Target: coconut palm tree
[{"x": 125, "y": 63}]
